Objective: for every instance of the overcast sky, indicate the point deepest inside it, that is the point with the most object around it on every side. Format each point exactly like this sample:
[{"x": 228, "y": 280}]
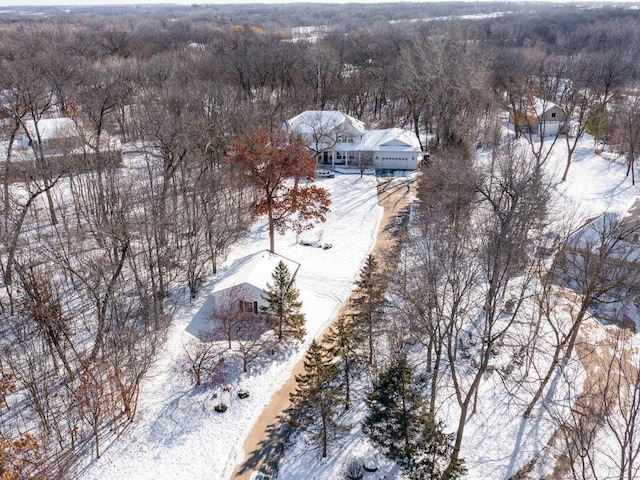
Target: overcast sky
[{"x": 189, "y": 2}]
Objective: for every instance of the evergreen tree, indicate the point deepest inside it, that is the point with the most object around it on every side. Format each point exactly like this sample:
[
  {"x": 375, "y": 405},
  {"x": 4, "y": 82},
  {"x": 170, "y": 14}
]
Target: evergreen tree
[
  {"x": 316, "y": 396},
  {"x": 283, "y": 309},
  {"x": 342, "y": 344},
  {"x": 368, "y": 303},
  {"x": 400, "y": 424}
]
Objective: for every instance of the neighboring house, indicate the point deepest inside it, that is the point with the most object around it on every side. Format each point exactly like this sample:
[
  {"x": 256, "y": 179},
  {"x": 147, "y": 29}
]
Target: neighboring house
[
  {"x": 56, "y": 136},
  {"x": 60, "y": 146},
  {"x": 539, "y": 117},
  {"x": 339, "y": 140},
  {"x": 63, "y": 136},
  {"x": 242, "y": 288},
  {"x": 629, "y": 223},
  {"x": 610, "y": 238}
]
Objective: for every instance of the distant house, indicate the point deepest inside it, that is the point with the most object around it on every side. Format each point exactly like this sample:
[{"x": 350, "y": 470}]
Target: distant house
[
  {"x": 611, "y": 240},
  {"x": 629, "y": 223},
  {"x": 242, "y": 288},
  {"x": 60, "y": 146},
  {"x": 63, "y": 136},
  {"x": 56, "y": 136},
  {"x": 339, "y": 140},
  {"x": 539, "y": 117}
]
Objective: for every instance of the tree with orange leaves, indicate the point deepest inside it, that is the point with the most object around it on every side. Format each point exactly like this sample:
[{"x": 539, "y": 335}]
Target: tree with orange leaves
[{"x": 283, "y": 172}]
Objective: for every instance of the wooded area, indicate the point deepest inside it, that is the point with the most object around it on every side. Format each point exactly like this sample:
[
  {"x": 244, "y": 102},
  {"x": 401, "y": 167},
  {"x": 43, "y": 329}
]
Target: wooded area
[{"x": 103, "y": 231}]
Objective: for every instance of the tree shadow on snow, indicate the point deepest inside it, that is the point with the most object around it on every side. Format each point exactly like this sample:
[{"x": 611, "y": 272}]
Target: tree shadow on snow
[{"x": 271, "y": 450}]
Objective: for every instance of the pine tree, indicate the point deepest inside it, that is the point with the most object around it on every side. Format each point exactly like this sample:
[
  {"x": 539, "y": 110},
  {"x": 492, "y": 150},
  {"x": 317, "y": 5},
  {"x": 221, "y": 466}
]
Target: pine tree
[
  {"x": 368, "y": 303},
  {"x": 316, "y": 396},
  {"x": 283, "y": 309},
  {"x": 342, "y": 344},
  {"x": 399, "y": 423}
]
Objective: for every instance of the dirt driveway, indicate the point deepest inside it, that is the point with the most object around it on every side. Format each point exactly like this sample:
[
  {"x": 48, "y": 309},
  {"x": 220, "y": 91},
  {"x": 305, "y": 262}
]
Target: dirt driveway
[{"x": 264, "y": 445}]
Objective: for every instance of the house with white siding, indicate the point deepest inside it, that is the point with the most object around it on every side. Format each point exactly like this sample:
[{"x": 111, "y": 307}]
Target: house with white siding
[
  {"x": 241, "y": 290},
  {"x": 539, "y": 117},
  {"x": 339, "y": 140}
]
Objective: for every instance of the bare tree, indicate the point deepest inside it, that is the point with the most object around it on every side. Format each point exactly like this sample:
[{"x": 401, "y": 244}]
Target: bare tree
[
  {"x": 253, "y": 339},
  {"x": 514, "y": 204},
  {"x": 201, "y": 360},
  {"x": 579, "y": 103},
  {"x": 444, "y": 82},
  {"x": 596, "y": 264},
  {"x": 278, "y": 169},
  {"x": 627, "y": 131}
]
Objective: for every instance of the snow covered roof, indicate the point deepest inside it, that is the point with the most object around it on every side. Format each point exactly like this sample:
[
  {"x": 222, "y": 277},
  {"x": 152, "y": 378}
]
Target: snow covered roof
[
  {"x": 314, "y": 122},
  {"x": 389, "y": 139},
  {"x": 609, "y": 233},
  {"x": 51, "y": 128},
  {"x": 255, "y": 270},
  {"x": 540, "y": 106}
]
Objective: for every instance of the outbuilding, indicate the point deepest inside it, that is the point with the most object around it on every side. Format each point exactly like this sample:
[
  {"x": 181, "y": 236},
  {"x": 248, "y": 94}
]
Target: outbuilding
[{"x": 241, "y": 290}]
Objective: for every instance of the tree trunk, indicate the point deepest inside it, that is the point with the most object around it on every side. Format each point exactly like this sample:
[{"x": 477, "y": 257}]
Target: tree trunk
[
  {"x": 566, "y": 168},
  {"x": 271, "y": 229},
  {"x": 324, "y": 432},
  {"x": 556, "y": 359},
  {"x": 434, "y": 382},
  {"x": 347, "y": 383}
]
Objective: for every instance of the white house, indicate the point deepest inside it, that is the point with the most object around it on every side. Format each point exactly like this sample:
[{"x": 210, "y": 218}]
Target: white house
[
  {"x": 339, "y": 140},
  {"x": 331, "y": 135},
  {"x": 540, "y": 117},
  {"x": 391, "y": 149},
  {"x": 57, "y": 135},
  {"x": 241, "y": 289},
  {"x": 62, "y": 136}
]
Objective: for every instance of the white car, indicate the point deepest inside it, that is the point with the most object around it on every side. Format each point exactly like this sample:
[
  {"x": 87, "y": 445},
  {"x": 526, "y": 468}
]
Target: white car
[{"x": 324, "y": 174}]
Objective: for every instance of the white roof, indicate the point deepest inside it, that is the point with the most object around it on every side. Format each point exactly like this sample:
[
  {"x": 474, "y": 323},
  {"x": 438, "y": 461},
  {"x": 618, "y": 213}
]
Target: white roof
[
  {"x": 390, "y": 139},
  {"x": 255, "y": 270},
  {"x": 540, "y": 106},
  {"x": 313, "y": 122},
  {"x": 51, "y": 128},
  {"x": 604, "y": 232}
]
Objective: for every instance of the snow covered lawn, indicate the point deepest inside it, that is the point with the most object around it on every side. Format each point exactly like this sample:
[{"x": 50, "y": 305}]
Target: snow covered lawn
[
  {"x": 498, "y": 441},
  {"x": 177, "y": 434}
]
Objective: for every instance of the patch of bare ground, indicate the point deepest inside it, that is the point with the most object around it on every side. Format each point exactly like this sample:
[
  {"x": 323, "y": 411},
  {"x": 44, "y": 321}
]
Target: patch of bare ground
[
  {"x": 266, "y": 443},
  {"x": 609, "y": 369}
]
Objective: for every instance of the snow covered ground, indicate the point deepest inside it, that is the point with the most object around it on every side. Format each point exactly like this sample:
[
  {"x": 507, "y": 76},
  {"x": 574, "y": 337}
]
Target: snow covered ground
[
  {"x": 498, "y": 440},
  {"x": 177, "y": 434}
]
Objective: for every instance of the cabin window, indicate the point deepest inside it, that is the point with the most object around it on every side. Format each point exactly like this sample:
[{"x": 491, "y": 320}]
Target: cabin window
[
  {"x": 553, "y": 114},
  {"x": 248, "y": 307}
]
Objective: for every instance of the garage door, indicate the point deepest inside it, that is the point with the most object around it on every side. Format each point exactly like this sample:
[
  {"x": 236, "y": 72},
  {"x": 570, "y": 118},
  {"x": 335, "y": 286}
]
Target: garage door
[
  {"x": 551, "y": 128},
  {"x": 394, "y": 163}
]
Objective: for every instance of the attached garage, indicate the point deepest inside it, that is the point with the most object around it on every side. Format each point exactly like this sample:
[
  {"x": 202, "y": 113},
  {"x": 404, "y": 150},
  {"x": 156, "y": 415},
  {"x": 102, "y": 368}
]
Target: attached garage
[
  {"x": 394, "y": 163},
  {"x": 392, "y": 149}
]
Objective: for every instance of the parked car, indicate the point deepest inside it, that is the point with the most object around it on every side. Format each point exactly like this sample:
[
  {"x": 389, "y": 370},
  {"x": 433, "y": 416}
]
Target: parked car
[{"x": 324, "y": 174}]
